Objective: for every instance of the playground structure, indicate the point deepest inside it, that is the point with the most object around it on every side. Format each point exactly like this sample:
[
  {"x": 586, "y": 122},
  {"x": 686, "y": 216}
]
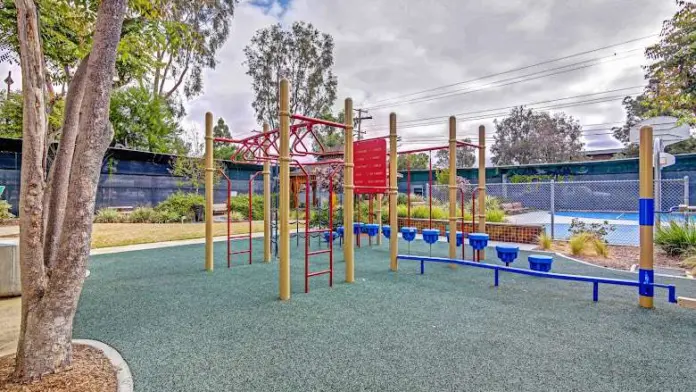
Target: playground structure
[{"x": 286, "y": 146}]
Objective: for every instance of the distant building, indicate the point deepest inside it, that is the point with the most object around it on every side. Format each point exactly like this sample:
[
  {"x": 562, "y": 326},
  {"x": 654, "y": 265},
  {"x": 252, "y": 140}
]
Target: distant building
[{"x": 602, "y": 155}]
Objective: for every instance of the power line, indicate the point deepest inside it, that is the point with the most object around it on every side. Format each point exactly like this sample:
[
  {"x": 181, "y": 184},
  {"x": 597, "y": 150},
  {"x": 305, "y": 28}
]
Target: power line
[
  {"x": 511, "y": 81},
  {"x": 517, "y": 69}
]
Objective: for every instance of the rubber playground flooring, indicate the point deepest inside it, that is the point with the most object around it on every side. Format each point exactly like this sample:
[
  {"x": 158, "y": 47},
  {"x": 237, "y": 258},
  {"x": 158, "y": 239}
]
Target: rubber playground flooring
[{"x": 182, "y": 329}]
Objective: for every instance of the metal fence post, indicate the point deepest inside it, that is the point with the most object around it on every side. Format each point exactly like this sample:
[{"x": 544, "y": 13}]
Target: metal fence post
[
  {"x": 505, "y": 194},
  {"x": 553, "y": 207},
  {"x": 686, "y": 191}
]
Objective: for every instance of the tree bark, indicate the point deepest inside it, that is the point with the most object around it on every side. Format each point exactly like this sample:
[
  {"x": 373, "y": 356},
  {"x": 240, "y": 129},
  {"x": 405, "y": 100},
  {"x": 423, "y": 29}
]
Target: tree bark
[
  {"x": 51, "y": 294},
  {"x": 59, "y": 175}
]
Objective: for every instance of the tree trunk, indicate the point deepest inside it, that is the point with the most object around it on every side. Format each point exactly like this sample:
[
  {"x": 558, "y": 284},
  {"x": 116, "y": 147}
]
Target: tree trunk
[{"x": 51, "y": 292}]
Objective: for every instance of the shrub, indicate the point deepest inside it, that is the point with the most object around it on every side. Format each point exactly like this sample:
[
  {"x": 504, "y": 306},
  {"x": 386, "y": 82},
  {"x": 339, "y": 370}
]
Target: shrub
[
  {"x": 182, "y": 204},
  {"x": 689, "y": 264},
  {"x": 236, "y": 216},
  {"x": 241, "y": 204},
  {"x": 440, "y": 213},
  {"x": 597, "y": 230},
  {"x": 495, "y": 215},
  {"x": 108, "y": 215},
  {"x": 420, "y": 212},
  {"x": 401, "y": 211},
  {"x": 165, "y": 217},
  {"x": 321, "y": 218},
  {"x": 5, "y": 210},
  {"x": 545, "y": 241},
  {"x": 600, "y": 247},
  {"x": 676, "y": 239},
  {"x": 141, "y": 215},
  {"x": 578, "y": 243}
]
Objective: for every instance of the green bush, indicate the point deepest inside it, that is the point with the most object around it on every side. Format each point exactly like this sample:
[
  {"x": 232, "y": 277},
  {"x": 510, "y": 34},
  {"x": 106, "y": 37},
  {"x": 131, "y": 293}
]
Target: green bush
[
  {"x": 320, "y": 218},
  {"x": 5, "y": 210},
  {"x": 241, "y": 204},
  {"x": 165, "y": 217},
  {"x": 108, "y": 215},
  {"x": 420, "y": 212},
  {"x": 495, "y": 216},
  {"x": 676, "y": 239},
  {"x": 181, "y": 204},
  {"x": 596, "y": 230},
  {"x": 401, "y": 211},
  {"x": 578, "y": 243},
  {"x": 236, "y": 216},
  {"x": 141, "y": 215}
]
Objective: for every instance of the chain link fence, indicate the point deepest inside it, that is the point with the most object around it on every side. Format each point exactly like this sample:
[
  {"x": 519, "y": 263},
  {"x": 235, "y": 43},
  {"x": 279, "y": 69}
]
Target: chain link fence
[{"x": 560, "y": 205}]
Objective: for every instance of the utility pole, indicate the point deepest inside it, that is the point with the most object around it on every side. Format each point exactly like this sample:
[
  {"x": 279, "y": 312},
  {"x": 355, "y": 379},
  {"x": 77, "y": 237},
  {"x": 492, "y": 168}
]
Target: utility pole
[
  {"x": 9, "y": 82},
  {"x": 359, "y": 121}
]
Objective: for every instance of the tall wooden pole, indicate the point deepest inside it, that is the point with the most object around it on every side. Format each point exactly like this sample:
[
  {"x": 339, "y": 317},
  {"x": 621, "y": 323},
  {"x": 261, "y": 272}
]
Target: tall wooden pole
[
  {"x": 482, "y": 185},
  {"x": 646, "y": 210},
  {"x": 393, "y": 194},
  {"x": 453, "y": 188},
  {"x": 209, "y": 171},
  {"x": 266, "y": 205},
  {"x": 348, "y": 251},
  {"x": 284, "y": 207},
  {"x": 379, "y": 218}
]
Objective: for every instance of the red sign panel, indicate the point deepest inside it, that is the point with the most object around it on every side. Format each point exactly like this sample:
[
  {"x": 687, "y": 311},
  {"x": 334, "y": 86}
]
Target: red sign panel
[{"x": 370, "y": 159}]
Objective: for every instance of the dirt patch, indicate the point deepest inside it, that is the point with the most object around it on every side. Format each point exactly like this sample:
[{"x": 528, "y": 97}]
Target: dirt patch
[
  {"x": 620, "y": 257},
  {"x": 90, "y": 371}
]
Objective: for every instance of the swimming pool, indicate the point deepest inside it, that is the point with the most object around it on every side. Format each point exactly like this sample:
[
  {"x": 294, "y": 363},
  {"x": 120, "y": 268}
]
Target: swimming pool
[{"x": 616, "y": 215}]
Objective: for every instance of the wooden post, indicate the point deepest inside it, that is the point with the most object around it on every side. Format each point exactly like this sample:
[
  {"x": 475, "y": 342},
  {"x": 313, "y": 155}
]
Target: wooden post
[
  {"x": 209, "y": 172},
  {"x": 646, "y": 218},
  {"x": 284, "y": 207},
  {"x": 348, "y": 251},
  {"x": 266, "y": 205},
  {"x": 482, "y": 185},
  {"x": 393, "y": 194}
]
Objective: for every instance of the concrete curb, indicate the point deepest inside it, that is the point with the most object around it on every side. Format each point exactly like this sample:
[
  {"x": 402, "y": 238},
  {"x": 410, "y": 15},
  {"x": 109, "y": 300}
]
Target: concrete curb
[
  {"x": 631, "y": 271},
  {"x": 124, "y": 378}
]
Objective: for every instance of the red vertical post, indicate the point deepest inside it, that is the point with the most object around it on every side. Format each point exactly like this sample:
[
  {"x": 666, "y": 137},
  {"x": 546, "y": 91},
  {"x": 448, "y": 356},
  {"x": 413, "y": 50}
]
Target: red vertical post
[
  {"x": 369, "y": 215},
  {"x": 251, "y": 216},
  {"x": 461, "y": 192},
  {"x": 357, "y": 236},
  {"x": 229, "y": 205},
  {"x": 430, "y": 191},
  {"x": 307, "y": 211},
  {"x": 331, "y": 230},
  {"x": 408, "y": 192}
]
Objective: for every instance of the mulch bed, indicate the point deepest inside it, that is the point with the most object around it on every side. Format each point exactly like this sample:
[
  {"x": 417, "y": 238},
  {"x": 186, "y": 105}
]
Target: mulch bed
[
  {"x": 620, "y": 257},
  {"x": 90, "y": 371}
]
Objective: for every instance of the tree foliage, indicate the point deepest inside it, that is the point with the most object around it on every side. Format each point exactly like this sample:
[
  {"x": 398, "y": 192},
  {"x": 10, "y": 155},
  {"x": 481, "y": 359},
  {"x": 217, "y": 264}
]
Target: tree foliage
[
  {"x": 527, "y": 137},
  {"x": 418, "y": 161},
  {"x": 465, "y": 157},
  {"x": 145, "y": 122},
  {"x": 223, "y": 150},
  {"x": 304, "y": 56}
]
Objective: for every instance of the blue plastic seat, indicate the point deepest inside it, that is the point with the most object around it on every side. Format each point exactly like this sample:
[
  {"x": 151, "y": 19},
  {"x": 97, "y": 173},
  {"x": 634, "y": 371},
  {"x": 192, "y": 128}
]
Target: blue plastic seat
[
  {"x": 339, "y": 230},
  {"x": 409, "y": 233},
  {"x": 478, "y": 241},
  {"x": 330, "y": 234},
  {"x": 430, "y": 236},
  {"x": 372, "y": 229},
  {"x": 540, "y": 263},
  {"x": 460, "y": 237},
  {"x": 386, "y": 230},
  {"x": 507, "y": 254},
  {"x": 358, "y": 227}
]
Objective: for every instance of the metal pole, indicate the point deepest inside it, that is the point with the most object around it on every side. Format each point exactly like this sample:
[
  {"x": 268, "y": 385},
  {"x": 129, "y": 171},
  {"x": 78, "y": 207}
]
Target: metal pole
[
  {"x": 453, "y": 187},
  {"x": 482, "y": 185},
  {"x": 284, "y": 207},
  {"x": 393, "y": 193},
  {"x": 657, "y": 165},
  {"x": 209, "y": 168},
  {"x": 379, "y": 219},
  {"x": 686, "y": 191},
  {"x": 348, "y": 250},
  {"x": 553, "y": 207},
  {"x": 266, "y": 205},
  {"x": 646, "y": 208}
]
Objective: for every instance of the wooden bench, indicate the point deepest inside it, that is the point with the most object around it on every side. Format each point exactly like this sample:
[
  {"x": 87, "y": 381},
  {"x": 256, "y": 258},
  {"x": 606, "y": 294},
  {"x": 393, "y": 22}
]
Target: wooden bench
[{"x": 513, "y": 208}]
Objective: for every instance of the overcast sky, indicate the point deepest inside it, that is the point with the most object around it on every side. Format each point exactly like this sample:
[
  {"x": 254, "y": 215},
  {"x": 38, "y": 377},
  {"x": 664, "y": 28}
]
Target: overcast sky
[{"x": 390, "y": 48}]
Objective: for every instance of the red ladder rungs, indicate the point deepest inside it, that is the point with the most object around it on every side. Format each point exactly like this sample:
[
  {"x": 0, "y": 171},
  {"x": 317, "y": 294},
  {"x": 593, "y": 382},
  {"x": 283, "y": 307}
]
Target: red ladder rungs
[
  {"x": 324, "y": 272},
  {"x": 318, "y": 252},
  {"x": 239, "y": 252}
]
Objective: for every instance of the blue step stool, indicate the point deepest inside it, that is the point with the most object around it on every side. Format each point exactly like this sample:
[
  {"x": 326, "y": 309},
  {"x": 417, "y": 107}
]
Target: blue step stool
[
  {"x": 333, "y": 235},
  {"x": 339, "y": 230},
  {"x": 460, "y": 237},
  {"x": 540, "y": 263},
  {"x": 478, "y": 241},
  {"x": 431, "y": 236},
  {"x": 386, "y": 230},
  {"x": 358, "y": 227},
  {"x": 372, "y": 229},
  {"x": 408, "y": 233},
  {"x": 507, "y": 254}
]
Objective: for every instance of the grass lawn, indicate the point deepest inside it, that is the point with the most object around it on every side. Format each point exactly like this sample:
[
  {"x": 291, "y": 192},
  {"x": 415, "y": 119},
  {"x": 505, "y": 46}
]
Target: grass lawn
[{"x": 183, "y": 329}]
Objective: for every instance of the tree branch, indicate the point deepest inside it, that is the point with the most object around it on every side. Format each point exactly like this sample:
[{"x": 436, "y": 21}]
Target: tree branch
[{"x": 181, "y": 77}]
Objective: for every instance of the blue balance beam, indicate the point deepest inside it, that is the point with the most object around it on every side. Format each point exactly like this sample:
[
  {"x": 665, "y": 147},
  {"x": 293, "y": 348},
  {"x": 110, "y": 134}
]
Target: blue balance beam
[{"x": 671, "y": 289}]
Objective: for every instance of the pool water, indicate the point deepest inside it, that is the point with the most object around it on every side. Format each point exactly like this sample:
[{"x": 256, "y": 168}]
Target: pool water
[{"x": 622, "y": 234}]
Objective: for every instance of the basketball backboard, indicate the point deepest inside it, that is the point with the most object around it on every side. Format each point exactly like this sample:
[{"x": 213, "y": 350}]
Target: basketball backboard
[{"x": 664, "y": 127}]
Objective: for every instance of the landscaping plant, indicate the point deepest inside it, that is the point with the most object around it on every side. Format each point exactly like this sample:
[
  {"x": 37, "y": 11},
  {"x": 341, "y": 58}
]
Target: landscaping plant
[
  {"x": 597, "y": 230},
  {"x": 5, "y": 211},
  {"x": 545, "y": 241},
  {"x": 676, "y": 238},
  {"x": 578, "y": 243}
]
